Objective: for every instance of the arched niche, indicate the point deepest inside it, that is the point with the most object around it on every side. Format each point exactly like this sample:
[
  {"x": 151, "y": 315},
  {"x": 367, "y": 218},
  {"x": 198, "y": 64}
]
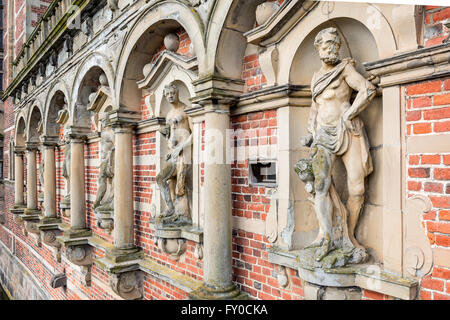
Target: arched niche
[
  {"x": 229, "y": 28},
  {"x": 86, "y": 84},
  {"x": 57, "y": 103},
  {"x": 358, "y": 43},
  {"x": 34, "y": 121},
  {"x": 20, "y": 134},
  {"x": 145, "y": 38}
]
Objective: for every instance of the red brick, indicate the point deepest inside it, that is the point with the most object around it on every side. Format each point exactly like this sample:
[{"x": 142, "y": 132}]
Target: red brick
[
  {"x": 442, "y": 126},
  {"x": 431, "y": 7},
  {"x": 421, "y": 128},
  {"x": 431, "y": 187},
  {"x": 432, "y": 284},
  {"x": 444, "y": 215},
  {"x": 441, "y": 227},
  {"x": 373, "y": 295},
  {"x": 413, "y": 115},
  {"x": 441, "y": 273},
  {"x": 422, "y": 88},
  {"x": 441, "y": 15},
  {"x": 441, "y": 173},
  {"x": 436, "y": 114},
  {"x": 414, "y": 185},
  {"x": 414, "y": 160},
  {"x": 441, "y": 99},
  {"x": 435, "y": 41},
  {"x": 431, "y": 159},
  {"x": 447, "y": 84},
  {"x": 440, "y": 202},
  {"x": 425, "y": 295},
  {"x": 446, "y": 159},
  {"x": 419, "y": 172},
  {"x": 421, "y": 102},
  {"x": 442, "y": 240},
  {"x": 431, "y": 215},
  {"x": 438, "y": 296}
]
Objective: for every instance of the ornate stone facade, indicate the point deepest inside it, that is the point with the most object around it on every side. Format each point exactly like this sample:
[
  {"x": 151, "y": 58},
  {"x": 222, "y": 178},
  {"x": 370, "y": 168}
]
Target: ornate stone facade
[{"x": 167, "y": 138}]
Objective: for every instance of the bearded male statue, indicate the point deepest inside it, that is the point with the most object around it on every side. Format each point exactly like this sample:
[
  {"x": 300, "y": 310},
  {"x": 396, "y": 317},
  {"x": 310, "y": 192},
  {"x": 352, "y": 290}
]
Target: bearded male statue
[{"x": 335, "y": 130}]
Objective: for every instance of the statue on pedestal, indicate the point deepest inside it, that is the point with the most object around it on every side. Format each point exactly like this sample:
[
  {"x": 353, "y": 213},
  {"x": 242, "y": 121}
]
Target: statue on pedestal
[
  {"x": 104, "y": 202},
  {"x": 335, "y": 130},
  {"x": 172, "y": 177},
  {"x": 63, "y": 116}
]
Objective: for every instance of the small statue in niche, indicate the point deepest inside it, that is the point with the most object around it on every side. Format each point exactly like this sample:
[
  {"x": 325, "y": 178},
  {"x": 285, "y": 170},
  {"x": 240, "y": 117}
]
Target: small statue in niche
[
  {"x": 335, "y": 130},
  {"x": 172, "y": 177},
  {"x": 104, "y": 202},
  {"x": 63, "y": 116}
]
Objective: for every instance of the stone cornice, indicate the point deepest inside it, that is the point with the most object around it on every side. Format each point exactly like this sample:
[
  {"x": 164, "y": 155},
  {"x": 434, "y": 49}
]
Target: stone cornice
[{"x": 418, "y": 65}]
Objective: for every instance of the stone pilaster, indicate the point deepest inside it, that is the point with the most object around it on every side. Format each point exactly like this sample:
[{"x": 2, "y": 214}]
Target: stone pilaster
[
  {"x": 217, "y": 268},
  {"x": 31, "y": 179},
  {"x": 19, "y": 201},
  {"x": 49, "y": 181}
]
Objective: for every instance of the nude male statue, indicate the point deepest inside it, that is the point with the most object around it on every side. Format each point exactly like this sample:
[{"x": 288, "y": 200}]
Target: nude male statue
[
  {"x": 178, "y": 132},
  {"x": 335, "y": 130},
  {"x": 105, "y": 201}
]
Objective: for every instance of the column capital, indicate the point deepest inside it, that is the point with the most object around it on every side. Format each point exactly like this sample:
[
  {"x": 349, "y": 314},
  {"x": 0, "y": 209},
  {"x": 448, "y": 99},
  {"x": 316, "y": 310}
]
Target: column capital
[
  {"x": 49, "y": 141},
  {"x": 216, "y": 89},
  {"x": 31, "y": 146},
  {"x": 18, "y": 150},
  {"x": 77, "y": 134}
]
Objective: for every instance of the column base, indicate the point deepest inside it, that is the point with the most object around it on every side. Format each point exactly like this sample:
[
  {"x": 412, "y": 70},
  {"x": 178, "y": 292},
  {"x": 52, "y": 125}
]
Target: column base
[
  {"x": 117, "y": 255},
  {"x": 77, "y": 233},
  {"x": 18, "y": 209},
  {"x": 50, "y": 220},
  {"x": 205, "y": 292},
  {"x": 30, "y": 212}
]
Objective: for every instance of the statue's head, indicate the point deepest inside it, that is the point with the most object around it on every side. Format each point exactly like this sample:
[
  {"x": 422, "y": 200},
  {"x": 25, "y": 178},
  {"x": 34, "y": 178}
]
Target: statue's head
[
  {"x": 171, "y": 92},
  {"x": 328, "y": 43}
]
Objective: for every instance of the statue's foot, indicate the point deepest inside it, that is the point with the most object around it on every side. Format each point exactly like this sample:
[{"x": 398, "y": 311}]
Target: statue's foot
[
  {"x": 315, "y": 243},
  {"x": 326, "y": 247}
]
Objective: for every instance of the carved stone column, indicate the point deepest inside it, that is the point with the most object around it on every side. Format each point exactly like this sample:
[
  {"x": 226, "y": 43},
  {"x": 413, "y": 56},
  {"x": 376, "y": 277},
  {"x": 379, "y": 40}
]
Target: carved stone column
[
  {"x": 217, "y": 268},
  {"x": 19, "y": 201},
  {"x": 50, "y": 183},
  {"x": 77, "y": 186},
  {"x": 123, "y": 194},
  {"x": 31, "y": 180}
]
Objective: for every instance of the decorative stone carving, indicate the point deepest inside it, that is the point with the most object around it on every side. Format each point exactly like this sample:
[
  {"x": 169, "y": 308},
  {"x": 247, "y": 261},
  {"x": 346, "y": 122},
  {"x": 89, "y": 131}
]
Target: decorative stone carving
[
  {"x": 198, "y": 252},
  {"x": 58, "y": 280},
  {"x": 81, "y": 255},
  {"x": 418, "y": 255},
  {"x": 174, "y": 247},
  {"x": 172, "y": 42},
  {"x": 272, "y": 216},
  {"x": 128, "y": 285},
  {"x": 104, "y": 202},
  {"x": 335, "y": 130},
  {"x": 63, "y": 117},
  {"x": 68, "y": 43},
  {"x": 265, "y": 10},
  {"x": 196, "y": 3},
  {"x": 172, "y": 177},
  {"x": 87, "y": 26}
]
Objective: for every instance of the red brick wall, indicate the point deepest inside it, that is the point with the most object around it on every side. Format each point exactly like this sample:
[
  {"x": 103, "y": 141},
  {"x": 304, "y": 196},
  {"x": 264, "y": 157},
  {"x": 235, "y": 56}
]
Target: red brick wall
[
  {"x": 435, "y": 31},
  {"x": 428, "y": 113}
]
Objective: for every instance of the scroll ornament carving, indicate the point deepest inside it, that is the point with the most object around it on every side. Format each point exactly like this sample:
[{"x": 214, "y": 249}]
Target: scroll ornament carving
[
  {"x": 418, "y": 255},
  {"x": 196, "y": 3},
  {"x": 128, "y": 285},
  {"x": 335, "y": 132},
  {"x": 80, "y": 255}
]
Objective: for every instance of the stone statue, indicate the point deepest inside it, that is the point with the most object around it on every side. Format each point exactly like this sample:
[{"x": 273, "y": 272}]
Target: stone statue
[
  {"x": 63, "y": 116},
  {"x": 104, "y": 202},
  {"x": 172, "y": 177},
  {"x": 335, "y": 130},
  {"x": 41, "y": 165}
]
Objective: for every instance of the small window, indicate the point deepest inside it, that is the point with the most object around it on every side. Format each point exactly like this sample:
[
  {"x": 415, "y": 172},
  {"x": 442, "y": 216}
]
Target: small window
[{"x": 263, "y": 173}]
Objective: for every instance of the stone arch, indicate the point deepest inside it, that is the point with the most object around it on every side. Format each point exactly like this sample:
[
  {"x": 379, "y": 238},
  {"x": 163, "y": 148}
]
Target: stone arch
[
  {"x": 89, "y": 70},
  {"x": 59, "y": 94},
  {"x": 34, "y": 119},
  {"x": 20, "y": 134},
  {"x": 383, "y": 35},
  {"x": 169, "y": 13},
  {"x": 224, "y": 29}
]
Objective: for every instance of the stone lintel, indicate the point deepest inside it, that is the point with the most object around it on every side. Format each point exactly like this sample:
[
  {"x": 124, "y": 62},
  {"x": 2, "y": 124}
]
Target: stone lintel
[
  {"x": 365, "y": 276},
  {"x": 78, "y": 134},
  {"x": 123, "y": 118},
  {"x": 215, "y": 89}
]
